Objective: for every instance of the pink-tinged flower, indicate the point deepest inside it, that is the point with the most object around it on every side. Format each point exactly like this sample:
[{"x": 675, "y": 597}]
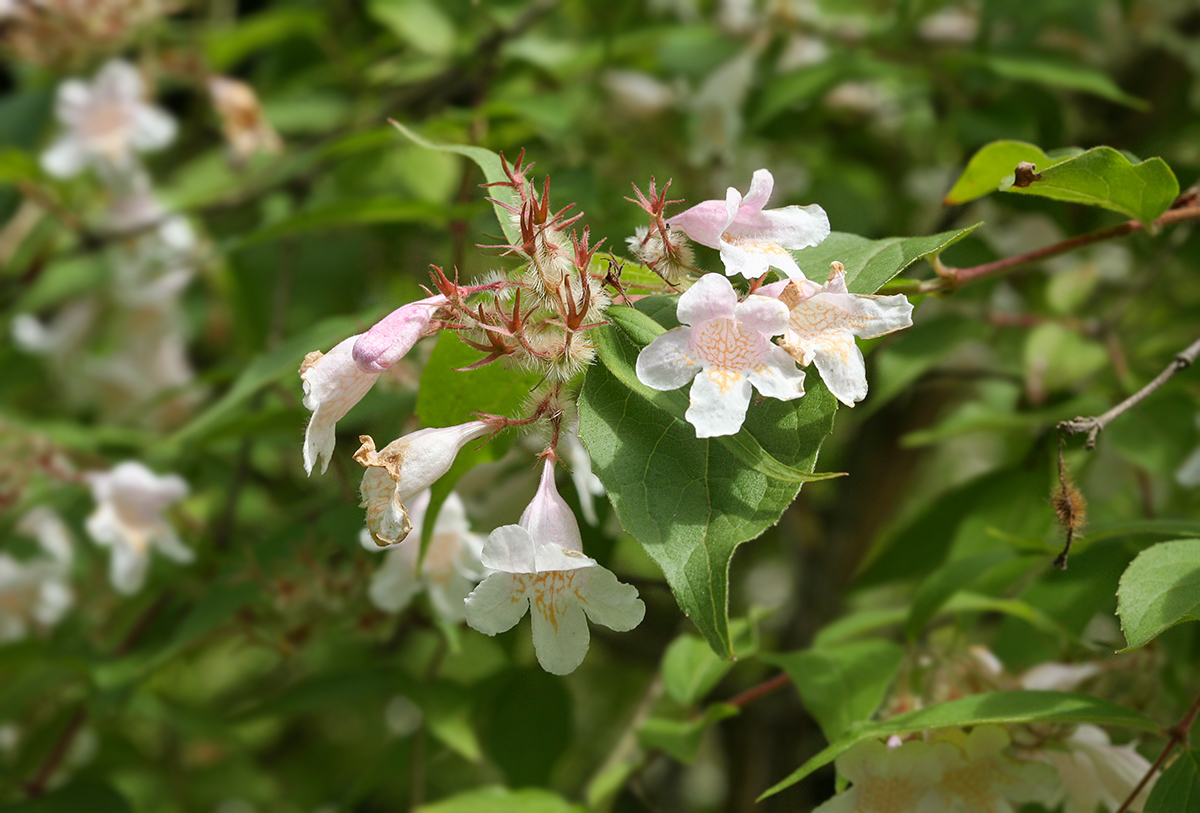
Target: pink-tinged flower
[
  {"x": 451, "y": 568},
  {"x": 333, "y": 384},
  {"x": 130, "y": 500},
  {"x": 902, "y": 779},
  {"x": 36, "y": 592},
  {"x": 753, "y": 240},
  {"x": 106, "y": 121},
  {"x": 403, "y": 469},
  {"x": 823, "y": 322},
  {"x": 539, "y": 567},
  {"x": 395, "y": 334},
  {"x": 1092, "y": 771},
  {"x": 725, "y": 345}
]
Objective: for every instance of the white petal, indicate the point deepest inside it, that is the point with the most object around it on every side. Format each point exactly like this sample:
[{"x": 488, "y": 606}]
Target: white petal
[
  {"x": 395, "y": 583},
  {"x": 703, "y": 223},
  {"x": 510, "y": 549},
  {"x": 118, "y": 81},
  {"x": 127, "y": 569},
  {"x": 172, "y": 547},
  {"x": 665, "y": 364},
  {"x": 751, "y": 257},
  {"x": 792, "y": 227},
  {"x": 842, "y": 368},
  {"x": 718, "y": 402},
  {"x": 497, "y": 604},
  {"x": 560, "y": 631},
  {"x": 72, "y": 101},
  {"x": 779, "y": 377},
  {"x": 152, "y": 129},
  {"x": 610, "y": 603},
  {"x": 764, "y": 314},
  {"x": 555, "y": 558},
  {"x": 333, "y": 384},
  {"x": 711, "y": 297},
  {"x": 387, "y": 517},
  {"x": 65, "y": 158},
  {"x": 761, "y": 186}
]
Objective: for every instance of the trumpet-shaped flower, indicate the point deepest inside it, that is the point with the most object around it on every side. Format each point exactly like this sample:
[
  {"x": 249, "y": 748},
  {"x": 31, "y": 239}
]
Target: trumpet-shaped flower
[
  {"x": 823, "y": 322},
  {"x": 753, "y": 239},
  {"x": 36, "y": 592},
  {"x": 106, "y": 121},
  {"x": 128, "y": 518},
  {"x": 725, "y": 345},
  {"x": 539, "y": 567},
  {"x": 449, "y": 572},
  {"x": 403, "y": 469},
  {"x": 1092, "y": 771},
  {"x": 333, "y": 384}
]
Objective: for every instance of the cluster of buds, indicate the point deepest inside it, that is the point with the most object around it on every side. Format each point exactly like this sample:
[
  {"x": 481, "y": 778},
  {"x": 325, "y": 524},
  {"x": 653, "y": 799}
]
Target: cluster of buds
[{"x": 63, "y": 33}]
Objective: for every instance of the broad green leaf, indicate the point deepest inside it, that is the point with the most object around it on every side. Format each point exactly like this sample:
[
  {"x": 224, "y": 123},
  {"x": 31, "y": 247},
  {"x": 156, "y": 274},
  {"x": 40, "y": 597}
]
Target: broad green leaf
[
  {"x": 681, "y": 738},
  {"x": 225, "y": 46},
  {"x": 17, "y": 165},
  {"x": 1158, "y": 590},
  {"x": 689, "y": 501},
  {"x": 531, "y": 708},
  {"x": 447, "y": 710},
  {"x": 347, "y": 213},
  {"x": 1002, "y": 708},
  {"x": 1101, "y": 532},
  {"x": 871, "y": 263},
  {"x": 270, "y": 367},
  {"x": 493, "y": 171},
  {"x": 800, "y": 86},
  {"x": 966, "y": 602},
  {"x": 93, "y": 797},
  {"x": 691, "y": 669},
  {"x": 842, "y": 684},
  {"x": 1100, "y": 177},
  {"x": 502, "y": 800},
  {"x": 993, "y": 163},
  {"x": 1058, "y": 73},
  {"x": 417, "y": 23},
  {"x": 1178, "y": 788}
]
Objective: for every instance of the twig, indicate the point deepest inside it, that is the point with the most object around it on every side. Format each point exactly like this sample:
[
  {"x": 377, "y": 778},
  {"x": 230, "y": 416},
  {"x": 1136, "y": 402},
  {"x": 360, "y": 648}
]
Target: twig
[
  {"x": 950, "y": 279},
  {"x": 761, "y": 690},
  {"x": 1094, "y": 425},
  {"x": 1178, "y": 733}
]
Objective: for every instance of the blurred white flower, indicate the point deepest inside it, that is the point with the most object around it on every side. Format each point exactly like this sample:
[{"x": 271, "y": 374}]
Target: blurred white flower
[
  {"x": 1092, "y": 771},
  {"x": 587, "y": 484},
  {"x": 451, "y": 568},
  {"x": 36, "y": 592},
  {"x": 106, "y": 122},
  {"x": 130, "y": 500},
  {"x": 900, "y": 779}
]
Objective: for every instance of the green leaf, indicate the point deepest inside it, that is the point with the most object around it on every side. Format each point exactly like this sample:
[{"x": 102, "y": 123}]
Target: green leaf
[
  {"x": 17, "y": 165},
  {"x": 871, "y": 263},
  {"x": 417, "y": 23},
  {"x": 980, "y": 709},
  {"x": 93, "y": 797},
  {"x": 1058, "y": 73},
  {"x": 691, "y": 669},
  {"x": 268, "y": 368},
  {"x": 681, "y": 738},
  {"x": 690, "y": 501},
  {"x": 992, "y": 164},
  {"x": 842, "y": 684},
  {"x": 943, "y": 583},
  {"x": 493, "y": 171},
  {"x": 1159, "y": 589},
  {"x": 225, "y": 46},
  {"x": 1179, "y": 786},
  {"x": 1100, "y": 177},
  {"x": 502, "y": 800}
]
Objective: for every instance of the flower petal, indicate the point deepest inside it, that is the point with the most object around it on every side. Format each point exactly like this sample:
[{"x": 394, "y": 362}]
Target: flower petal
[
  {"x": 703, "y": 223},
  {"x": 711, "y": 297},
  {"x": 666, "y": 363},
  {"x": 560, "y": 631},
  {"x": 751, "y": 257},
  {"x": 610, "y": 603},
  {"x": 395, "y": 584},
  {"x": 548, "y": 518},
  {"x": 394, "y": 335},
  {"x": 718, "y": 402},
  {"x": 764, "y": 314},
  {"x": 510, "y": 549},
  {"x": 127, "y": 569},
  {"x": 387, "y": 518},
  {"x": 332, "y": 386},
  {"x": 152, "y": 128},
  {"x": 779, "y": 377},
  {"x": 65, "y": 158},
  {"x": 842, "y": 368},
  {"x": 498, "y": 603}
]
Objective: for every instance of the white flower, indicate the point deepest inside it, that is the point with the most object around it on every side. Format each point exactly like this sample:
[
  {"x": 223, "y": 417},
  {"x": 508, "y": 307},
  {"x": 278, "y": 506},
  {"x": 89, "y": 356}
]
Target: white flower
[
  {"x": 1093, "y": 771},
  {"x": 978, "y": 777},
  {"x": 725, "y": 345},
  {"x": 128, "y": 518},
  {"x": 823, "y": 322},
  {"x": 403, "y": 469},
  {"x": 899, "y": 779},
  {"x": 451, "y": 568},
  {"x": 539, "y": 567},
  {"x": 106, "y": 122},
  {"x": 752, "y": 240},
  {"x": 36, "y": 592},
  {"x": 587, "y": 484}
]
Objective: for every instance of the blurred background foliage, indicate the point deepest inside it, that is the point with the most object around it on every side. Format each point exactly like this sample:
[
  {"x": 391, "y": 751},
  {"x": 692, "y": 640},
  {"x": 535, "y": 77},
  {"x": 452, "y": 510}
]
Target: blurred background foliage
[{"x": 261, "y": 678}]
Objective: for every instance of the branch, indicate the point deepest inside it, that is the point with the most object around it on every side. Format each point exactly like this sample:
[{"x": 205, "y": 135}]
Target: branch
[
  {"x": 1178, "y": 734},
  {"x": 1093, "y": 425},
  {"x": 950, "y": 279}
]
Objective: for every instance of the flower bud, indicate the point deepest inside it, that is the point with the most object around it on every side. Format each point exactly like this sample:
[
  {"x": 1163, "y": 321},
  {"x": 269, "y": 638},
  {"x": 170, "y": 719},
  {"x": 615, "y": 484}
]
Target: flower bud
[{"x": 394, "y": 335}]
